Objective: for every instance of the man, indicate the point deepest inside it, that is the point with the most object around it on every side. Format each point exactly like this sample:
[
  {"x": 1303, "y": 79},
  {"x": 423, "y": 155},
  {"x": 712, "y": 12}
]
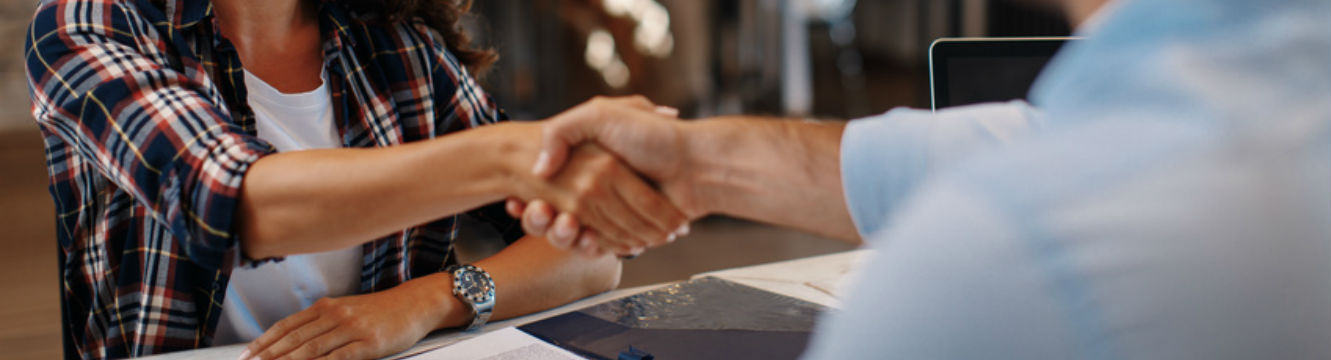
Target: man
[{"x": 1170, "y": 200}]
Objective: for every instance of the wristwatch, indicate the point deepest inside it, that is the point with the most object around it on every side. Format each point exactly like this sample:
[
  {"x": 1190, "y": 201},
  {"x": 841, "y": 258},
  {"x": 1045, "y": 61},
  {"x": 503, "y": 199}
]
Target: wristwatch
[{"x": 474, "y": 287}]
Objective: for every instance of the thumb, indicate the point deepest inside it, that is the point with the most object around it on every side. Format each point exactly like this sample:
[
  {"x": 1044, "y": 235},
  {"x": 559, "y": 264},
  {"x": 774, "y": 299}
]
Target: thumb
[
  {"x": 666, "y": 111},
  {"x": 552, "y": 156},
  {"x": 556, "y": 138}
]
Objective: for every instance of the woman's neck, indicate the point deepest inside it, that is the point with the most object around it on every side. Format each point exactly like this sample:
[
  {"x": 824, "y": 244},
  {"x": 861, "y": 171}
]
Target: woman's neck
[
  {"x": 277, "y": 40},
  {"x": 248, "y": 17}
]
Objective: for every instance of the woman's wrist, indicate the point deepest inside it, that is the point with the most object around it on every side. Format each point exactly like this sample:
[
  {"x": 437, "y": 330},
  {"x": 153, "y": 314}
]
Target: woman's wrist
[
  {"x": 501, "y": 155},
  {"x": 516, "y": 149},
  {"x": 439, "y": 308}
]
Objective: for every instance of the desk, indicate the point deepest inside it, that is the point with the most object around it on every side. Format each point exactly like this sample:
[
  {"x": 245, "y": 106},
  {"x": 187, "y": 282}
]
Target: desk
[{"x": 815, "y": 279}]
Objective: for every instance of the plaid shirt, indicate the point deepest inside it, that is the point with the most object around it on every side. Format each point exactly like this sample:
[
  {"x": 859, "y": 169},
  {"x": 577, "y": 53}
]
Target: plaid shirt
[{"x": 148, "y": 136}]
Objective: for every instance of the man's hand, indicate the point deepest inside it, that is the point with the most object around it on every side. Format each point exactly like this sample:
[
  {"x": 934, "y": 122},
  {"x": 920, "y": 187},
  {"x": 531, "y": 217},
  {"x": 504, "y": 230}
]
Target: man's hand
[{"x": 632, "y": 127}]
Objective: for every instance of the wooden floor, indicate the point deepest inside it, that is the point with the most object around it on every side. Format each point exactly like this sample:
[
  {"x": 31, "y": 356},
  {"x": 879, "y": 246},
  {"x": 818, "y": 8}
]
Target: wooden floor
[{"x": 29, "y": 302}]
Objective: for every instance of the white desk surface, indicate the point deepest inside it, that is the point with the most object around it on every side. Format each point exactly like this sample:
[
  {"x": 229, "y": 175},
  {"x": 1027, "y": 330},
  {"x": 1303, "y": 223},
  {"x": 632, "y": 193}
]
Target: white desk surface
[{"x": 815, "y": 279}]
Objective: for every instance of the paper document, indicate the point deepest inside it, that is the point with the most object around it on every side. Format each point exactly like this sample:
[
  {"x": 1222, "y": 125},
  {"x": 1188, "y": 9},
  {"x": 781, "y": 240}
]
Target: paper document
[{"x": 504, "y": 344}]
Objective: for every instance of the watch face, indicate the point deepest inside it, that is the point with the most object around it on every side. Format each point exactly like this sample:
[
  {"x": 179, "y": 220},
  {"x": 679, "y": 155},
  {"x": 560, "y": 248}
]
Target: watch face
[{"x": 474, "y": 285}]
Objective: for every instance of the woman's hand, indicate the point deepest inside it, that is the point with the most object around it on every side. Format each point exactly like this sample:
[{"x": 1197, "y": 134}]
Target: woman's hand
[{"x": 355, "y": 327}]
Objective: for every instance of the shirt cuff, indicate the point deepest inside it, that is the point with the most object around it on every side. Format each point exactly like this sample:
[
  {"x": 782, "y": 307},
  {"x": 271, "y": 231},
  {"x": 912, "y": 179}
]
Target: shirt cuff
[{"x": 214, "y": 202}]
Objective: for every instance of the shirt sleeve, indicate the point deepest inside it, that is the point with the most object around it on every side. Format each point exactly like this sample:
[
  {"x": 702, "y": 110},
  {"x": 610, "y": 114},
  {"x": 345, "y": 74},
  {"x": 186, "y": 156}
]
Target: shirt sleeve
[
  {"x": 460, "y": 102},
  {"x": 147, "y": 129},
  {"x": 885, "y": 157},
  {"x": 950, "y": 276},
  {"x": 466, "y": 105}
]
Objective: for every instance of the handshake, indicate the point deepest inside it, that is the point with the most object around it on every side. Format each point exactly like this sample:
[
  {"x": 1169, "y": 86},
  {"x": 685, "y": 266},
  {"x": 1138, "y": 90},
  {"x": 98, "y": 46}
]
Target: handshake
[
  {"x": 614, "y": 179},
  {"x": 621, "y": 175}
]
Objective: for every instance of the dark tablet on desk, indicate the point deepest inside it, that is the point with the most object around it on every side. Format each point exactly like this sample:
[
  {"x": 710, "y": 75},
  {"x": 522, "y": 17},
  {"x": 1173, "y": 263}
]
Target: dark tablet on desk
[
  {"x": 706, "y": 318},
  {"x": 965, "y": 71}
]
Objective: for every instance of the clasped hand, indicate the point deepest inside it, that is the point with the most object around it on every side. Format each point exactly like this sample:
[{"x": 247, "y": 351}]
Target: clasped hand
[{"x": 645, "y": 137}]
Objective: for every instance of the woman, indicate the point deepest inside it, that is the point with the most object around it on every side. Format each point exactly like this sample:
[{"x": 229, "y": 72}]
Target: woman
[{"x": 180, "y": 174}]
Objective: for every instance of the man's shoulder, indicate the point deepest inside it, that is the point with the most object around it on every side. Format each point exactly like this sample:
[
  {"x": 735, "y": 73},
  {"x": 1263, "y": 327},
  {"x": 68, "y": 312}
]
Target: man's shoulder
[{"x": 1070, "y": 164}]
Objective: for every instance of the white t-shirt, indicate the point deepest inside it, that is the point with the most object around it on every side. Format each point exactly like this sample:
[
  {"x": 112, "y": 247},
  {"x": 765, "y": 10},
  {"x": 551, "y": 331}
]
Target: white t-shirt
[{"x": 259, "y": 297}]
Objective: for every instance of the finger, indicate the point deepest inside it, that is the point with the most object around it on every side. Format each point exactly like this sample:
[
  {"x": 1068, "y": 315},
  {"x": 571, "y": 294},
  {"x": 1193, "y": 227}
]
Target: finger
[
  {"x": 631, "y": 254},
  {"x": 536, "y": 219},
  {"x": 620, "y": 225},
  {"x": 556, "y": 137},
  {"x": 637, "y": 101},
  {"x": 667, "y": 111},
  {"x": 515, "y": 206},
  {"x": 646, "y": 232},
  {"x": 606, "y": 214},
  {"x": 296, "y": 338},
  {"x": 683, "y": 230},
  {"x": 597, "y": 252},
  {"x": 319, "y": 346},
  {"x": 593, "y": 246},
  {"x": 280, "y": 330},
  {"x": 587, "y": 244},
  {"x": 648, "y": 204},
  {"x": 353, "y": 350},
  {"x": 564, "y": 232}
]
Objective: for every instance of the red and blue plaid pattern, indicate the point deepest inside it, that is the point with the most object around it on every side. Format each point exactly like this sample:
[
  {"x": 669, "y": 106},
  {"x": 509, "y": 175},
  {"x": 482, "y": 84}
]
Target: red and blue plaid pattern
[{"x": 148, "y": 136}]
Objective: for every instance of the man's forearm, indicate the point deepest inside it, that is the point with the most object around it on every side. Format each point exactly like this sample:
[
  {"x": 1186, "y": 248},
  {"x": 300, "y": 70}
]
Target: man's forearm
[
  {"x": 320, "y": 200},
  {"x": 783, "y": 172}
]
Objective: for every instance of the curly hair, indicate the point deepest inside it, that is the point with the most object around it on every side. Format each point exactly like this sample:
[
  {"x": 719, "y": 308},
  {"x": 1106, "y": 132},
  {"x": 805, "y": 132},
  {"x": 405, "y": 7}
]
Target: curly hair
[{"x": 443, "y": 16}]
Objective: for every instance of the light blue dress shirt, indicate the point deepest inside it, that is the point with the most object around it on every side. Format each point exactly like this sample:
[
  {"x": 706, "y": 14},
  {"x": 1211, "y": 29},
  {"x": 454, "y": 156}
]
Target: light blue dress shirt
[{"x": 1172, "y": 201}]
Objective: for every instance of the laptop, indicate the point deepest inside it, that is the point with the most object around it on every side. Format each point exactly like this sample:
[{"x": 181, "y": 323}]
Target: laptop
[{"x": 965, "y": 71}]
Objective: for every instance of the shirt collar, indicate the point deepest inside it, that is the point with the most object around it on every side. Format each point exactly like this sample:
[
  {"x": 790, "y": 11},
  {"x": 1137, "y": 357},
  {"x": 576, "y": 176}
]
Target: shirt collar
[
  {"x": 187, "y": 13},
  {"x": 334, "y": 23}
]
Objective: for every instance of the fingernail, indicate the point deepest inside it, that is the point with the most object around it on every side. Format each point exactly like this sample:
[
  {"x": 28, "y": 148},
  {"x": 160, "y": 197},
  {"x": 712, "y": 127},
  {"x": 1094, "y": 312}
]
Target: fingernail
[
  {"x": 563, "y": 232},
  {"x": 541, "y": 163},
  {"x": 671, "y": 238},
  {"x": 667, "y": 111},
  {"x": 683, "y": 230},
  {"x": 244, "y": 355},
  {"x": 540, "y": 219}
]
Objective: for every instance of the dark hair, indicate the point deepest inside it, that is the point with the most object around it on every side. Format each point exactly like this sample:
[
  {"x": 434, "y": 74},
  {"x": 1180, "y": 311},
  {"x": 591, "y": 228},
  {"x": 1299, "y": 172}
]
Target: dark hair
[{"x": 443, "y": 16}]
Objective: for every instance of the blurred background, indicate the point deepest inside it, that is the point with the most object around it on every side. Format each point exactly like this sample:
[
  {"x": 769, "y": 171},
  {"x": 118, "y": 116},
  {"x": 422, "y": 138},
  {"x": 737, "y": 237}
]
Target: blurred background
[{"x": 826, "y": 59}]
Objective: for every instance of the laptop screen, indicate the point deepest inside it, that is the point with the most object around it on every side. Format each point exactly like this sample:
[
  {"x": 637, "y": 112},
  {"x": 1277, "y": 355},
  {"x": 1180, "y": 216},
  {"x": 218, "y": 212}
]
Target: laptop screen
[{"x": 965, "y": 71}]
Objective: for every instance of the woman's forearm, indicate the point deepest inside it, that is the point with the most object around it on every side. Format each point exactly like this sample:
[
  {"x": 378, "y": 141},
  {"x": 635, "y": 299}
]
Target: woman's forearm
[
  {"x": 782, "y": 172},
  {"x": 530, "y": 276},
  {"x": 321, "y": 200}
]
